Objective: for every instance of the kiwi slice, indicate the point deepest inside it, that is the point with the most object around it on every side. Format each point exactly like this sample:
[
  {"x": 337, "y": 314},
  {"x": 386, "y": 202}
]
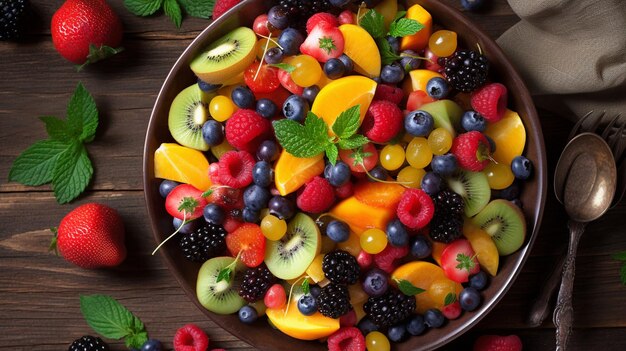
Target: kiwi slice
[
  {"x": 505, "y": 223},
  {"x": 473, "y": 187},
  {"x": 290, "y": 256},
  {"x": 226, "y": 57},
  {"x": 189, "y": 111},
  {"x": 218, "y": 297}
]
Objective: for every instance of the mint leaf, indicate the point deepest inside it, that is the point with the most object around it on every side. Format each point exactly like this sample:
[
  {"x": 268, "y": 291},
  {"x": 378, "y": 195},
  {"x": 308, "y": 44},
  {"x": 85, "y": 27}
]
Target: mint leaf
[
  {"x": 172, "y": 10},
  {"x": 72, "y": 173},
  {"x": 306, "y": 287},
  {"x": 403, "y": 27},
  {"x": 82, "y": 114},
  {"x": 110, "y": 319},
  {"x": 198, "y": 8},
  {"x": 143, "y": 7},
  {"x": 387, "y": 56},
  {"x": 332, "y": 153},
  {"x": 34, "y": 166},
  {"x": 316, "y": 128},
  {"x": 207, "y": 193},
  {"x": 374, "y": 23},
  {"x": 57, "y": 128},
  {"x": 224, "y": 274},
  {"x": 294, "y": 138},
  {"x": 353, "y": 142},
  {"x": 449, "y": 299},
  {"x": 407, "y": 288},
  {"x": 465, "y": 262},
  {"x": 284, "y": 66},
  {"x": 620, "y": 256},
  {"x": 399, "y": 15},
  {"x": 348, "y": 122}
]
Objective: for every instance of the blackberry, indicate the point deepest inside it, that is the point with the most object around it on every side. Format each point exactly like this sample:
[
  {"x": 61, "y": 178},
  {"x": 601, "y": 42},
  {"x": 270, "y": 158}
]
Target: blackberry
[
  {"x": 466, "y": 70},
  {"x": 334, "y": 301},
  {"x": 340, "y": 267},
  {"x": 255, "y": 283},
  {"x": 389, "y": 309},
  {"x": 88, "y": 343},
  {"x": 204, "y": 243},
  {"x": 12, "y": 18},
  {"x": 299, "y": 11},
  {"x": 447, "y": 224}
]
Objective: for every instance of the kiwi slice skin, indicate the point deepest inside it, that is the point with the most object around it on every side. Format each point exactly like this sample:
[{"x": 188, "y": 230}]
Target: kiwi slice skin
[
  {"x": 473, "y": 187},
  {"x": 505, "y": 223},
  {"x": 226, "y": 57},
  {"x": 188, "y": 112},
  {"x": 222, "y": 297},
  {"x": 289, "y": 257}
]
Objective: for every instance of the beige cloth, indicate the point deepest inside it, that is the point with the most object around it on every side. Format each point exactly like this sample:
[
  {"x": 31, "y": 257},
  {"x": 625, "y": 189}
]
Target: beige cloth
[{"x": 571, "y": 53}]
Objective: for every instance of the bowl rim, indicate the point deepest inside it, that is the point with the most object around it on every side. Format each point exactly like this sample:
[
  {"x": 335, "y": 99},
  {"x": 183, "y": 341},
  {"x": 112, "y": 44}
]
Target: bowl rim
[{"x": 531, "y": 123}]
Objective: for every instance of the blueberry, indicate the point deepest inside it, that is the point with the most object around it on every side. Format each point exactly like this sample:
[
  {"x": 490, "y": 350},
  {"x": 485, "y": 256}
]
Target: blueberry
[
  {"x": 267, "y": 151},
  {"x": 247, "y": 314},
  {"x": 250, "y": 215},
  {"x": 213, "y": 132},
  {"x": 366, "y": 325},
  {"x": 339, "y": 174},
  {"x": 434, "y": 318},
  {"x": 469, "y": 298},
  {"x": 376, "y": 282},
  {"x": 479, "y": 280},
  {"x": 472, "y": 5},
  {"x": 315, "y": 291},
  {"x": 379, "y": 173},
  {"x": 310, "y": 93},
  {"x": 266, "y": 108},
  {"x": 431, "y": 183},
  {"x": 392, "y": 74},
  {"x": 337, "y": 231},
  {"x": 472, "y": 120},
  {"x": 187, "y": 228},
  {"x": 521, "y": 167},
  {"x": 509, "y": 193},
  {"x": 409, "y": 60},
  {"x": 437, "y": 88},
  {"x": 277, "y": 17},
  {"x": 152, "y": 345},
  {"x": 307, "y": 304},
  {"x": 334, "y": 68},
  {"x": 295, "y": 108},
  {"x": 397, "y": 234},
  {"x": 421, "y": 247},
  {"x": 255, "y": 197},
  {"x": 166, "y": 187},
  {"x": 207, "y": 87},
  {"x": 290, "y": 40},
  {"x": 281, "y": 207},
  {"x": 273, "y": 55},
  {"x": 347, "y": 62},
  {"x": 243, "y": 97},
  {"x": 262, "y": 174},
  {"x": 419, "y": 123},
  {"x": 444, "y": 165},
  {"x": 397, "y": 333},
  {"x": 213, "y": 213},
  {"x": 394, "y": 43},
  {"x": 339, "y": 3},
  {"x": 416, "y": 325}
]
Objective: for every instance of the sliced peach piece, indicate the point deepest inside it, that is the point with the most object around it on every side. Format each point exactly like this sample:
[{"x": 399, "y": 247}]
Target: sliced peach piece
[
  {"x": 509, "y": 135},
  {"x": 357, "y": 295},
  {"x": 418, "y": 80},
  {"x": 182, "y": 164},
  {"x": 358, "y": 309},
  {"x": 379, "y": 194},
  {"x": 291, "y": 172},
  {"x": 361, "y": 48},
  {"x": 437, "y": 250},
  {"x": 484, "y": 247},
  {"x": 388, "y": 9},
  {"x": 299, "y": 326},
  {"x": 419, "y": 40},
  {"x": 360, "y": 216},
  {"x": 352, "y": 245},
  {"x": 315, "y": 271}
]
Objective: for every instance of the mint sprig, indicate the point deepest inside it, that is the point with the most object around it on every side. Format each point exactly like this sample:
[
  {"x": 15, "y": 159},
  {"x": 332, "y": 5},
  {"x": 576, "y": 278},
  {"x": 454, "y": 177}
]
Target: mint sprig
[
  {"x": 62, "y": 159},
  {"x": 465, "y": 262},
  {"x": 172, "y": 8},
  {"x": 407, "y": 288},
  {"x": 306, "y": 286},
  {"x": 110, "y": 319},
  {"x": 449, "y": 299}
]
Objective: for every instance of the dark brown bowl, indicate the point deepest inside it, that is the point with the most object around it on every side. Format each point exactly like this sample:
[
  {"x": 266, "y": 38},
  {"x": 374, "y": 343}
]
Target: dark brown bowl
[{"x": 261, "y": 335}]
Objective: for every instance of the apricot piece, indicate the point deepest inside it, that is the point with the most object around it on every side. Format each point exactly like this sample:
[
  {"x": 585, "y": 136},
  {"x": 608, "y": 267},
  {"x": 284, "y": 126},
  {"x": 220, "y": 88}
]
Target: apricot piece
[
  {"x": 291, "y": 172},
  {"x": 419, "y": 40},
  {"x": 360, "y": 216},
  {"x": 418, "y": 80},
  {"x": 379, "y": 194},
  {"x": 509, "y": 135},
  {"x": 299, "y": 326},
  {"x": 484, "y": 247},
  {"x": 361, "y": 48}
]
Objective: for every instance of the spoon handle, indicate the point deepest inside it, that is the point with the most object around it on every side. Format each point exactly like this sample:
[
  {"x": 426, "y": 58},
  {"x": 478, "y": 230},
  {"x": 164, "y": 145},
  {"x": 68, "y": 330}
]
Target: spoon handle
[
  {"x": 541, "y": 307},
  {"x": 564, "y": 313}
]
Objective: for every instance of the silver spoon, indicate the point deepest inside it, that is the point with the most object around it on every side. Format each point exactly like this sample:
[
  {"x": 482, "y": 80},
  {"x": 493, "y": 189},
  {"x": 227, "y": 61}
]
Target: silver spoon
[{"x": 584, "y": 182}]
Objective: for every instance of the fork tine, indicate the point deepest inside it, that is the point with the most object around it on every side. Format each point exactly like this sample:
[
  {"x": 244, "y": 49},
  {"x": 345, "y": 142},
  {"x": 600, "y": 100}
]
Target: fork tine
[
  {"x": 609, "y": 127},
  {"x": 578, "y": 124},
  {"x": 617, "y": 144},
  {"x": 596, "y": 123}
]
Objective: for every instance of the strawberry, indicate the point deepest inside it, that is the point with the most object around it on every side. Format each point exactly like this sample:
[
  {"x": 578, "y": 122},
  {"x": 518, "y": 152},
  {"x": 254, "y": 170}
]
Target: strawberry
[
  {"x": 185, "y": 202},
  {"x": 248, "y": 243},
  {"x": 452, "y": 311},
  {"x": 471, "y": 150},
  {"x": 490, "y": 101},
  {"x": 86, "y": 31},
  {"x": 416, "y": 99},
  {"x": 324, "y": 42},
  {"x": 361, "y": 159},
  {"x": 321, "y": 17},
  {"x": 383, "y": 121},
  {"x": 261, "y": 80},
  {"x": 91, "y": 236},
  {"x": 458, "y": 261},
  {"x": 285, "y": 80},
  {"x": 498, "y": 343},
  {"x": 222, "y": 6}
]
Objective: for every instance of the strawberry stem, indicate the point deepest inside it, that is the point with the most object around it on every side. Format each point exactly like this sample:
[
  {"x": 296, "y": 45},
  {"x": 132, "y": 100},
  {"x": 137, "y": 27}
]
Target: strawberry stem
[
  {"x": 291, "y": 292},
  {"x": 267, "y": 44},
  {"x": 174, "y": 233},
  {"x": 269, "y": 38},
  {"x": 54, "y": 241}
]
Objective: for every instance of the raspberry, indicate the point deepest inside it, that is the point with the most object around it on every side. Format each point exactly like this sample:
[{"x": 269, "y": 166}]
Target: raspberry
[
  {"x": 382, "y": 121},
  {"x": 236, "y": 169},
  {"x": 214, "y": 173},
  {"x": 321, "y": 17},
  {"x": 190, "y": 338},
  {"x": 222, "y": 6},
  {"x": 490, "y": 101},
  {"x": 471, "y": 150},
  {"x": 389, "y": 93},
  {"x": 498, "y": 343},
  {"x": 346, "y": 339},
  {"x": 317, "y": 196},
  {"x": 386, "y": 259},
  {"x": 246, "y": 129},
  {"x": 415, "y": 209}
]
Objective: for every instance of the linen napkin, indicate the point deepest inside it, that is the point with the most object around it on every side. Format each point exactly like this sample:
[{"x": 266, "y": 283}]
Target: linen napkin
[{"x": 571, "y": 54}]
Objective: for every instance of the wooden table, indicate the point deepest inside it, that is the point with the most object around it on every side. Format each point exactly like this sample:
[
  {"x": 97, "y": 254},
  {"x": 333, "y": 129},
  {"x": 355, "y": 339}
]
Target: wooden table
[{"x": 39, "y": 293}]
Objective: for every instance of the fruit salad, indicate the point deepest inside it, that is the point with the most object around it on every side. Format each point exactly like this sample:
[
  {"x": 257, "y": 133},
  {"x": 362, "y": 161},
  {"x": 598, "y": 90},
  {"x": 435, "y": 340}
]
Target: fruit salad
[{"x": 349, "y": 173}]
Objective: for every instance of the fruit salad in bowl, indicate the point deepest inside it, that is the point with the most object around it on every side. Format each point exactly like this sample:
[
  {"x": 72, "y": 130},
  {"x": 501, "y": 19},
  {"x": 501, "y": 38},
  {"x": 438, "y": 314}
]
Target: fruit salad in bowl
[{"x": 344, "y": 175}]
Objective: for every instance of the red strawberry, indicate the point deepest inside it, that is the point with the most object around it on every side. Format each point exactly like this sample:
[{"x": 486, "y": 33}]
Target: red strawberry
[
  {"x": 471, "y": 150},
  {"x": 452, "y": 311},
  {"x": 387, "y": 259},
  {"x": 498, "y": 343},
  {"x": 275, "y": 296},
  {"x": 321, "y": 17},
  {"x": 415, "y": 209},
  {"x": 185, "y": 202},
  {"x": 288, "y": 83},
  {"x": 324, "y": 42},
  {"x": 416, "y": 99},
  {"x": 246, "y": 129},
  {"x": 91, "y": 236},
  {"x": 490, "y": 101},
  {"x": 190, "y": 338},
  {"x": 226, "y": 197},
  {"x": 222, "y": 6},
  {"x": 458, "y": 261},
  {"x": 382, "y": 121},
  {"x": 248, "y": 242},
  {"x": 390, "y": 93},
  {"x": 316, "y": 196},
  {"x": 263, "y": 80},
  {"x": 236, "y": 169},
  {"x": 278, "y": 96},
  {"x": 84, "y": 31},
  {"x": 346, "y": 339},
  {"x": 360, "y": 160}
]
